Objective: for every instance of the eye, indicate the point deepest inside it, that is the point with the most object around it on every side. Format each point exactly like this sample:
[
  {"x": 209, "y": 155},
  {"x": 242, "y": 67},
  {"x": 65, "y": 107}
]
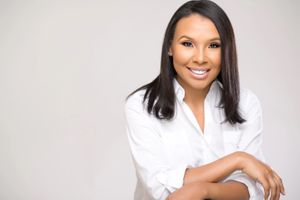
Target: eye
[
  {"x": 187, "y": 44},
  {"x": 214, "y": 45}
]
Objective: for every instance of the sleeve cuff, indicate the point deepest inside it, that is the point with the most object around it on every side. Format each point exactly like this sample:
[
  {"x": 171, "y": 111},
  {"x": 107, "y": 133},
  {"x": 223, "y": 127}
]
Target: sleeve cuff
[
  {"x": 172, "y": 179},
  {"x": 254, "y": 188}
]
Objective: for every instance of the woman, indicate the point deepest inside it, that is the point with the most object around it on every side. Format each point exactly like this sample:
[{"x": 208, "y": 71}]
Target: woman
[{"x": 193, "y": 133}]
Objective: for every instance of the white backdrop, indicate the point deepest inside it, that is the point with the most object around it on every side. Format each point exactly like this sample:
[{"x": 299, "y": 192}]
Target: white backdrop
[{"x": 67, "y": 66}]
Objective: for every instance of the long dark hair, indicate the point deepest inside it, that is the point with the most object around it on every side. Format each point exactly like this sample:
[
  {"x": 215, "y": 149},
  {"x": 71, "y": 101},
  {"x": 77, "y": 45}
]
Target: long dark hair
[{"x": 160, "y": 94}]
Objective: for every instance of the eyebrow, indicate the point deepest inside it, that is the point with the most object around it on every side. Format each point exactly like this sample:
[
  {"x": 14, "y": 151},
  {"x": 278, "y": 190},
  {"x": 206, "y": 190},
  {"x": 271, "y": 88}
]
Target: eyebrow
[{"x": 185, "y": 36}]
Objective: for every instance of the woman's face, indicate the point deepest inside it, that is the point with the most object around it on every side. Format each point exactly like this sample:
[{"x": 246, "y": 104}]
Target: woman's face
[{"x": 196, "y": 51}]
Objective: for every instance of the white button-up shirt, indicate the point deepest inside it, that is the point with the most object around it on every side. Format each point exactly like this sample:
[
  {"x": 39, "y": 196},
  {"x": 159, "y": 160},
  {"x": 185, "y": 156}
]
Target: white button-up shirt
[{"x": 162, "y": 150}]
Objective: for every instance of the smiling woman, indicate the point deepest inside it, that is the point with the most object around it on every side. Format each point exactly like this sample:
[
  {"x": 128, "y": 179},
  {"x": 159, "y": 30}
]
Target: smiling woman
[
  {"x": 193, "y": 133},
  {"x": 196, "y": 52},
  {"x": 196, "y": 56}
]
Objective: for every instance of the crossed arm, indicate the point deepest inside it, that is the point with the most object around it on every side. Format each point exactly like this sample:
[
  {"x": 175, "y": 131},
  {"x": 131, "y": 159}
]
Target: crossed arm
[
  {"x": 213, "y": 191},
  {"x": 202, "y": 182}
]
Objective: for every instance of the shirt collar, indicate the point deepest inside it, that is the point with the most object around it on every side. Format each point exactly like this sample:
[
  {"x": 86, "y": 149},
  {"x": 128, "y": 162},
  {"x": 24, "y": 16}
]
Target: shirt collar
[{"x": 180, "y": 93}]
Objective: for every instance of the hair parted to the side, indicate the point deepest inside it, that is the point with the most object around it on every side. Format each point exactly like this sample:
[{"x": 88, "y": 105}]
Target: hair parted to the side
[{"x": 160, "y": 94}]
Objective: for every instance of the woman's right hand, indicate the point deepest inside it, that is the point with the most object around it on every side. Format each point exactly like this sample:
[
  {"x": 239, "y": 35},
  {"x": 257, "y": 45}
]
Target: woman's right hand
[{"x": 262, "y": 173}]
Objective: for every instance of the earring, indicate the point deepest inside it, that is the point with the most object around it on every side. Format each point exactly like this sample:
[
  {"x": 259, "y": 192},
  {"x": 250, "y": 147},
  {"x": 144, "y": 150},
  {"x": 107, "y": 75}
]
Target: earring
[{"x": 169, "y": 53}]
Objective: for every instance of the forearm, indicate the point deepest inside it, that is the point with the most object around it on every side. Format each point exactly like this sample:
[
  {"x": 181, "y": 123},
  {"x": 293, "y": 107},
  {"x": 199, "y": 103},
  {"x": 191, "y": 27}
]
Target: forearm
[
  {"x": 228, "y": 191},
  {"x": 215, "y": 171},
  {"x": 248, "y": 164},
  {"x": 212, "y": 191}
]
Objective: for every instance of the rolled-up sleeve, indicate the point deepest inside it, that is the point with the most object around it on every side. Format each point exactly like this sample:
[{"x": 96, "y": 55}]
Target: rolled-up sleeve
[
  {"x": 250, "y": 142},
  {"x": 254, "y": 188},
  {"x": 146, "y": 147},
  {"x": 172, "y": 179}
]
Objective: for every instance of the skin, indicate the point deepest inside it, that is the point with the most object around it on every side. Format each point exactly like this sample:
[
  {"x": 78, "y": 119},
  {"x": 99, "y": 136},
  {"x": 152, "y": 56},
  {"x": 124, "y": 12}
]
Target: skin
[
  {"x": 204, "y": 190},
  {"x": 197, "y": 45}
]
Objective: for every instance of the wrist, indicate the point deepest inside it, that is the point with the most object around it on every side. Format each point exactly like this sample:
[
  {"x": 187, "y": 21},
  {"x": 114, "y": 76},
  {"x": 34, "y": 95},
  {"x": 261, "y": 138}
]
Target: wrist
[{"x": 240, "y": 160}]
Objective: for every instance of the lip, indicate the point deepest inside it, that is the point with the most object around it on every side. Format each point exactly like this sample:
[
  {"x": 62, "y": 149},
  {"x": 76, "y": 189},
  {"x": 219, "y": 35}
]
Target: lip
[{"x": 199, "y": 76}]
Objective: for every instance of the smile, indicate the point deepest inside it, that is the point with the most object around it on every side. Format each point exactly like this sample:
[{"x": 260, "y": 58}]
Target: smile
[{"x": 199, "y": 73}]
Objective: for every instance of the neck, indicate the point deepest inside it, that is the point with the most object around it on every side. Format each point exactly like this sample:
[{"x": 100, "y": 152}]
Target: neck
[{"x": 193, "y": 96}]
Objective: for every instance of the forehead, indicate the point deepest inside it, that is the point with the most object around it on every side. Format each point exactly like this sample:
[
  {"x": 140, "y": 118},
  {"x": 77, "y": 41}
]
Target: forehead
[{"x": 196, "y": 26}]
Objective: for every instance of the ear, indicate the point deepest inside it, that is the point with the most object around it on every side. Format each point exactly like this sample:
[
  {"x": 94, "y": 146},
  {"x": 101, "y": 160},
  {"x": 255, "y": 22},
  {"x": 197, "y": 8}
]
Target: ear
[{"x": 170, "y": 52}]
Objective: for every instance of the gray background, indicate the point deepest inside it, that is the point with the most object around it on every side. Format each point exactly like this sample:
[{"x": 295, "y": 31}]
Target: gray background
[{"x": 67, "y": 66}]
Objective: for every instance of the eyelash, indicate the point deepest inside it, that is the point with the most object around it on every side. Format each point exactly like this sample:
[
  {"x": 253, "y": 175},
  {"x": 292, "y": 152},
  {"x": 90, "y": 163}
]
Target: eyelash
[
  {"x": 212, "y": 45},
  {"x": 187, "y": 44}
]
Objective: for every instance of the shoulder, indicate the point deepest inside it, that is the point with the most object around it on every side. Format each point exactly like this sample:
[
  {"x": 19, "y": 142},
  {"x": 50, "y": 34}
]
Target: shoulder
[
  {"x": 135, "y": 98},
  {"x": 248, "y": 97},
  {"x": 135, "y": 102},
  {"x": 250, "y": 105},
  {"x": 136, "y": 115}
]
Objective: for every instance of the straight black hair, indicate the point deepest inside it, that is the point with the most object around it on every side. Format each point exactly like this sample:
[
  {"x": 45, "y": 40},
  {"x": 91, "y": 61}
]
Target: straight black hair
[{"x": 160, "y": 94}]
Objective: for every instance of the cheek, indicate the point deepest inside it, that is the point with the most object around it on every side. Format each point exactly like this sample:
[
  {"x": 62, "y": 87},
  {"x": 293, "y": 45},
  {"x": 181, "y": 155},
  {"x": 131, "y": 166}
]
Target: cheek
[
  {"x": 182, "y": 57},
  {"x": 216, "y": 59}
]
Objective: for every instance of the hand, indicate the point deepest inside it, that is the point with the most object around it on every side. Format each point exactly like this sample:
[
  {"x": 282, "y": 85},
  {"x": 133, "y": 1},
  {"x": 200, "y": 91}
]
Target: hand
[
  {"x": 192, "y": 191},
  {"x": 262, "y": 173}
]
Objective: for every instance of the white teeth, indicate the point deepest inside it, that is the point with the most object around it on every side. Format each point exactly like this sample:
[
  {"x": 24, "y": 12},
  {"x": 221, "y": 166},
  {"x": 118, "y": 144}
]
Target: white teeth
[{"x": 199, "y": 72}]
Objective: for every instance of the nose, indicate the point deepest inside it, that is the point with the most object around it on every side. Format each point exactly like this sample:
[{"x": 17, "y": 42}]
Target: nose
[{"x": 199, "y": 56}]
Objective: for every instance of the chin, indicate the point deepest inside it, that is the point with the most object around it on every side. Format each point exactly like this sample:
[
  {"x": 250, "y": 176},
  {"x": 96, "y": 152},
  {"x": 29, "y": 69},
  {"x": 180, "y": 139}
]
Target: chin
[{"x": 203, "y": 84}]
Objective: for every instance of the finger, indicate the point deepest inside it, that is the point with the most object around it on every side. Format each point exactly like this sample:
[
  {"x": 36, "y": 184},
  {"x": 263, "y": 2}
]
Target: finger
[
  {"x": 273, "y": 186},
  {"x": 282, "y": 190},
  {"x": 277, "y": 182},
  {"x": 266, "y": 186}
]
